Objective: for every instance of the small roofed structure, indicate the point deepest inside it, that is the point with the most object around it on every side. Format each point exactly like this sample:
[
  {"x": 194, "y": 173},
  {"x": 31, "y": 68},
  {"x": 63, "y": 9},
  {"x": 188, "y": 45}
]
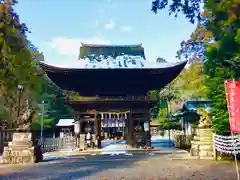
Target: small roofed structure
[
  {"x": 65, "y": 127},
  {"x": 65, "y": 122},
  {"x": 189, "y": 115}
]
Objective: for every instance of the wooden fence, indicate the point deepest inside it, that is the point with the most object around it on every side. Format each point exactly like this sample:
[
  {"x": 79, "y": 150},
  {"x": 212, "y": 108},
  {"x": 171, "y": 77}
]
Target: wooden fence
[
  {"x": 57, "y": 144},
  {"x": 48, "y": 145},
  {"x": 5, "y": 137}
]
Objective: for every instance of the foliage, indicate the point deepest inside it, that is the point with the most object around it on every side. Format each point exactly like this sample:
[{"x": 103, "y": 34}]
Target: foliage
[
  {"x": 216, "y": 40},
  {"x": 17, "y": 62},
  {"x": 188, "y": 85},
  {"x": 166, "y": 121},
  {"x": 190, "y": 8},
  {"x": 222, "y": 56},
  {"x": 48, "y": 123},
  {"x": 194, "y": 48},
  {"x": 19, "y": 66}
]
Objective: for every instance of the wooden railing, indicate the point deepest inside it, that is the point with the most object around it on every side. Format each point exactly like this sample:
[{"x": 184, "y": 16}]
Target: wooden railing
[
  {"x": 113, "y": 98},
  {"x": 56, "y": 144}
]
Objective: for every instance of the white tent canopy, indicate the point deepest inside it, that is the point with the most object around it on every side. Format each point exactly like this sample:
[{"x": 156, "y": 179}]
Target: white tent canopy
[{"x": 65, "y": 122}]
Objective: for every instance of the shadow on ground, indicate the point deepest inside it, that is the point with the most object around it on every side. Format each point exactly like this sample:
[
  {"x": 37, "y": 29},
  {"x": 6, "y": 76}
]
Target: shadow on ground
[
  {"x": 76, "y": 167},
  {"x": 127, "y": 167}
]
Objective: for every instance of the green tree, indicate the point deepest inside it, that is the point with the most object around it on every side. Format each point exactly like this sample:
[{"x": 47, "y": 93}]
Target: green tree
[
  {"x": 218, "y": 36},
  {"x": 19, "y": 60}
]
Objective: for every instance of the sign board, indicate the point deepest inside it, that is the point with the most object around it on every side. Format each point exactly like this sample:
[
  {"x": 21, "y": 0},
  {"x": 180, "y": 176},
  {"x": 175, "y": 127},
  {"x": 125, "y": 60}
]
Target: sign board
[
  {"x": 233, "y": 101},
  {"x": 22, "y": 137},
  {"x": 146, "y": 126}
]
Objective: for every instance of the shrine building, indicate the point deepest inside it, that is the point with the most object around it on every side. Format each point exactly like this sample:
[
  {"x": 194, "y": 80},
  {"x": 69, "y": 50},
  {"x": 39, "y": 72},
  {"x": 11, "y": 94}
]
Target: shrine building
[{"x": 114, "y": 82}]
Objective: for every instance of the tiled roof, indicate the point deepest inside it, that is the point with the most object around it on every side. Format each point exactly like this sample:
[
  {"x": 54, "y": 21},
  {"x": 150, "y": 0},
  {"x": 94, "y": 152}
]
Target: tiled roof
[{"x": 111, "y": 50}]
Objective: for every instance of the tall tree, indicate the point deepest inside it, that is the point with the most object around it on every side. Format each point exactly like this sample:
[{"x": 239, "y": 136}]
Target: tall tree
[
  {"x": 220, "y": 23},
  {"x": 18, "y": 67}
]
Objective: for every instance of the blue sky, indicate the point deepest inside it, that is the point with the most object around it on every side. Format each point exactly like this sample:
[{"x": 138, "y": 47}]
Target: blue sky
[{"x": 59, "y": 26}]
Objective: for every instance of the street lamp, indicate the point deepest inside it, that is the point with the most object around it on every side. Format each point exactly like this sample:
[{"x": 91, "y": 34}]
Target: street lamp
[
  {"x": 20, "y": 88},
  {"x": 42, "y": 107}
]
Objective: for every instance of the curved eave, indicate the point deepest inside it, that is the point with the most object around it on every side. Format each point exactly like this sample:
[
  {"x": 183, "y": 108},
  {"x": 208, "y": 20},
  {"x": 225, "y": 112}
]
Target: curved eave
[
  {"x": 50, "y": 68},
  {"x": 112, "y": 81}
]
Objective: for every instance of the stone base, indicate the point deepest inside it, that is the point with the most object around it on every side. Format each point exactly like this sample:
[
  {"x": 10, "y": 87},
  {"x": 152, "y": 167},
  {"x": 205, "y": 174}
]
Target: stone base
[
  {"x": 21, "y": 151},
  {"x": 202, "y": 145}
]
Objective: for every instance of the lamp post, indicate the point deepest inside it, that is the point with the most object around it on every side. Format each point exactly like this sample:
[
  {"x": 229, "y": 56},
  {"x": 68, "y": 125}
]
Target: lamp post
[
  {"x": 169, "y": 108},
  {"x": 20, "y": 88},
  {"x": 41, "y": 135}
]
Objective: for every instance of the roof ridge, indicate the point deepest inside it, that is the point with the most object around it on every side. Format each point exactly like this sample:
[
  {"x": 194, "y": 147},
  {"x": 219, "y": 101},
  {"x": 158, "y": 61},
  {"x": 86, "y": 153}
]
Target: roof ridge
[{"x": 111, "y": 45}]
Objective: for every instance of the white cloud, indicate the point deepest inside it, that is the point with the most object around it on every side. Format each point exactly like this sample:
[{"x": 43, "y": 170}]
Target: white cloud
[
  {"x": 110, "y": 25},
  {"x": 96, "y": 23},
  {"x": 125, "y": 28},
  {"x": 70, "y": 46}
]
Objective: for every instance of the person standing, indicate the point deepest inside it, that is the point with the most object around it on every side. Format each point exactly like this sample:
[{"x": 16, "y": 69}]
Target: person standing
[{"x": 88, "y": 138}]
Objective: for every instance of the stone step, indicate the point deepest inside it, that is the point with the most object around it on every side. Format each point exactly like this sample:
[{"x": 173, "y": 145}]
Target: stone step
[
  {"x": 201, "y": 142},
  {"x": 205, "y": 138},
  {"x": 196, "y": 138}
]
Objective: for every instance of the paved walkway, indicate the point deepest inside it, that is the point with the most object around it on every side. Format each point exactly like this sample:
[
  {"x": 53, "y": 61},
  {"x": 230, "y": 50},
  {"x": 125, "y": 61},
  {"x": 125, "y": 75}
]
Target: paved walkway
[
  {"x": 114, "y": 150},
  {"x": 123, "y": 167}
]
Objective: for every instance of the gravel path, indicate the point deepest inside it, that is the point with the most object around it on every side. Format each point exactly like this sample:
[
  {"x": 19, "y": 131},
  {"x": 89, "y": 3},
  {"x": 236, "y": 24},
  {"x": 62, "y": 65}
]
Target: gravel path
[{"x": 124, "y": 167}]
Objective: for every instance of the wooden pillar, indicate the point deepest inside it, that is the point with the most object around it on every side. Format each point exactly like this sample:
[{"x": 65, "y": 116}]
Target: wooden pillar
[
  {"x": 98, "y": 130},
  {"x": 149, "y": 132},
  {"x": 129, "y": 129},
  {"x": 95, "y": 124}
]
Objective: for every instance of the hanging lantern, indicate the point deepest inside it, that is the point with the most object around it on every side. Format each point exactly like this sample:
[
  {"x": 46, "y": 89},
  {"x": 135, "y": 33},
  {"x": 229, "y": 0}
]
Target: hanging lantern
[
  {"x": 118, "y": 116},
  {"x": 102, "y": 116},
  {"x": 125, "y": 115},
  {"x": 109, "y": 116}
]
